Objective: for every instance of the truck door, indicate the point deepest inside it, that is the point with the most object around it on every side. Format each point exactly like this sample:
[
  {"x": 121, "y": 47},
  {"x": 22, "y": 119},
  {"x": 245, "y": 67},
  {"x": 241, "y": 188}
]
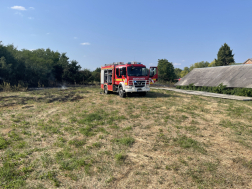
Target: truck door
[
  {"x": 123, "y": 73},
  {"x": 153, "y": 74}
]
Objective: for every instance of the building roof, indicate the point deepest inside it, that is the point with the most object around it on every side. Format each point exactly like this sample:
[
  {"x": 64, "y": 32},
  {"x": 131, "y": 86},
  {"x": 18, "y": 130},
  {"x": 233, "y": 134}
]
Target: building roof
[
  {"x": 247, "y": 60},
  {"x": 231, "y": 76}
]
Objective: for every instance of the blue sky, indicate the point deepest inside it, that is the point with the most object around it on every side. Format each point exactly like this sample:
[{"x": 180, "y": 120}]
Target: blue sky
[{"x": 97, "y": 32}]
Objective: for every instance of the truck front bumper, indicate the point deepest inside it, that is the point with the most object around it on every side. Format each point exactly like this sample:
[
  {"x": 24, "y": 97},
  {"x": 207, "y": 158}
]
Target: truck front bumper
[{"x": 129, "y": 89}]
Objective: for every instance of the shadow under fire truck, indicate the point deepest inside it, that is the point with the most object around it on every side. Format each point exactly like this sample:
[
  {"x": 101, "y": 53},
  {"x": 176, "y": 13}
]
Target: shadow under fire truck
[{"x": 132, "y": 77}]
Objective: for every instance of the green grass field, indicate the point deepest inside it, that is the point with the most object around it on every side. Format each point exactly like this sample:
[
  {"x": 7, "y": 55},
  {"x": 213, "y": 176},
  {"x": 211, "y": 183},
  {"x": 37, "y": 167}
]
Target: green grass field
[{"x": 79, "y": 138}]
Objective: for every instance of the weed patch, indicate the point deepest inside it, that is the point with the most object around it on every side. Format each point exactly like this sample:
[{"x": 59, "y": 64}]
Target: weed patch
[
  {"x": 14, "y": 136},
  {"x": 127, "y": 128},
  {"x": 127, "y": 141},
  {"x": 186, "y": 142},
  {"x": 77, "y": 143},
  {"x": 90, "y": 118},
  {"x": 114, "y": 127},
  {"x": 3, "y": 143},
  {"x": 51, "y": 129},
  {"x": 21, "y": 145},
  {"x": 87, "y": 131},
  {"x": 11, "y": 177},
  {"x": 46, "y": 160},
  {"x": 120, "y": 158},
  {"x": 97, "y": 144},
  {"x": 51, "y": 175}
]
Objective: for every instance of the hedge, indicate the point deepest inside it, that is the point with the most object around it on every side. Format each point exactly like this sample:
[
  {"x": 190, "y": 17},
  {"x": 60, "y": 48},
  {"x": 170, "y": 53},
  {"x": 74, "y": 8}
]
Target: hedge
[{"x": 222, "y": 89}]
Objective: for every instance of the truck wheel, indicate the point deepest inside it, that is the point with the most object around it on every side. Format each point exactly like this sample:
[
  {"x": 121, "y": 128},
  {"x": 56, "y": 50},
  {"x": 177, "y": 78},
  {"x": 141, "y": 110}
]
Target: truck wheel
[
  {"x": 106, "y": 90},
  {"x": 121, "y": 93}
]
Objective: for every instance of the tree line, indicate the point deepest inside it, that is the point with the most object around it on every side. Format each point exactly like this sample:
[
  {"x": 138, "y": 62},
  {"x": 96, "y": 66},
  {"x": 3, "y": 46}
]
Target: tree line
[
  {"x": 41, "y": 67},
  {"x": 44, "y": 67},
  {"x": 167, "y": 72}
]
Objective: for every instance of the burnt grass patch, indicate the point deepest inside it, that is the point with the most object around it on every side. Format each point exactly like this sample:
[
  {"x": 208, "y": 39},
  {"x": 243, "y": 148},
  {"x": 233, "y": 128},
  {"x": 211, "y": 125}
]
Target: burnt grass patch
[{"x": 44, "y": 96}]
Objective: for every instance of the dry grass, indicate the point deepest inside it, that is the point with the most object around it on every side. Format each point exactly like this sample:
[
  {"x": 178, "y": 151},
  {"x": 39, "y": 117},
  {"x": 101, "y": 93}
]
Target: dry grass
[{"x": 79, "y": 138}]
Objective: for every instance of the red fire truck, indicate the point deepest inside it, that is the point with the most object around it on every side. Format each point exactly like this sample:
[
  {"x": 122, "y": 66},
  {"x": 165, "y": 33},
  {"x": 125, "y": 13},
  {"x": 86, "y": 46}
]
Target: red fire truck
[{"x": 127, "y": 78}]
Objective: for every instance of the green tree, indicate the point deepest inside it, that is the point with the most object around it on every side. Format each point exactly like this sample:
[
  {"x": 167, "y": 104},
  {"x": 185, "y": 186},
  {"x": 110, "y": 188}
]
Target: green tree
[
  {"x": 184, "y": 72},
  {"x": 71, "y": 72},
  {"x": 177, "y": 72},
  {"x": 38, "y": 67},
  {"x": 165, "y": 70},
  {"x": 5, "y": 69},
  {"x": 201, "y": 64},
  {"x": 224, "y": 56},
  {"x": 11, "y": 69},
  {"x": 212, "y": 64},
  {"x": 96, "y": 74},
  {"x": 85, "y": 76}
]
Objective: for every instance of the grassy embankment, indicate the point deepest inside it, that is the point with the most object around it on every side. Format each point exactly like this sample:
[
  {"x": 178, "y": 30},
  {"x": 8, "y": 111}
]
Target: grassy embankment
[{"x": 79, "y": 138}]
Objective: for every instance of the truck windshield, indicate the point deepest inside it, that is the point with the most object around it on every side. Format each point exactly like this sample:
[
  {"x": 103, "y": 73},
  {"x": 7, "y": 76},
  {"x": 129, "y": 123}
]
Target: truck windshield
[{"x": 137, "y": 71}]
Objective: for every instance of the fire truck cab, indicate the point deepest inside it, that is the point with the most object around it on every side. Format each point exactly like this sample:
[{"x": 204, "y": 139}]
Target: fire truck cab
[{"x": 127, "y": 78}]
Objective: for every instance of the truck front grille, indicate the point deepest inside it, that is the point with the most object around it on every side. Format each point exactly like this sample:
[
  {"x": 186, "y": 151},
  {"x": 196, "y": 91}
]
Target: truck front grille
[{"x": 139, "y": 83}]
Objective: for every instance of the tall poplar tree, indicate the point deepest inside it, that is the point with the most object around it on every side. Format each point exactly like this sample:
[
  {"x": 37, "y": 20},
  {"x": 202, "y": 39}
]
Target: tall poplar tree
[{"x": 224, "y": 56}]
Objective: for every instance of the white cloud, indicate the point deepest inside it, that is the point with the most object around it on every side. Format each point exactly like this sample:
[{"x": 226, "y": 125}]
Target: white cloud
[
  {"x": 86, "y": 43},
  {"x": 31, "y": 49},
  {"x": 19, "y": 13},
  {"x": 47, "y": 33},
  {"x": 176, "y": 64},
  {"x": 30, "y": 18},
  {"x": 18, "y": 8},
  {"x": 31, "y": 8},
  {"x": 75, "y": 37}
]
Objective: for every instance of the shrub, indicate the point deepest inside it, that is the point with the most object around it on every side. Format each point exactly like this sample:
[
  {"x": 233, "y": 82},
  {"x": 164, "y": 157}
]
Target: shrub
[{"x": 8, "y": 87}]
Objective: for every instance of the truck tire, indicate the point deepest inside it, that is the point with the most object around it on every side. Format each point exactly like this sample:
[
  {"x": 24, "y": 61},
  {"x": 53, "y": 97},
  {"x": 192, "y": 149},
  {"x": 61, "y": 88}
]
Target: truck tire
[
  {"x": 106, "y": 89},
  {"x": 121, "y": 93}
]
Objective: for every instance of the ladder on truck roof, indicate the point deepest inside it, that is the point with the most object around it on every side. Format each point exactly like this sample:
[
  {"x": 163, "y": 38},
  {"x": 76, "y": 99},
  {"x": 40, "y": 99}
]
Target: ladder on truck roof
[
  {"x": 121, "y": 63},
  {"x": 115, "y": 63}
]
